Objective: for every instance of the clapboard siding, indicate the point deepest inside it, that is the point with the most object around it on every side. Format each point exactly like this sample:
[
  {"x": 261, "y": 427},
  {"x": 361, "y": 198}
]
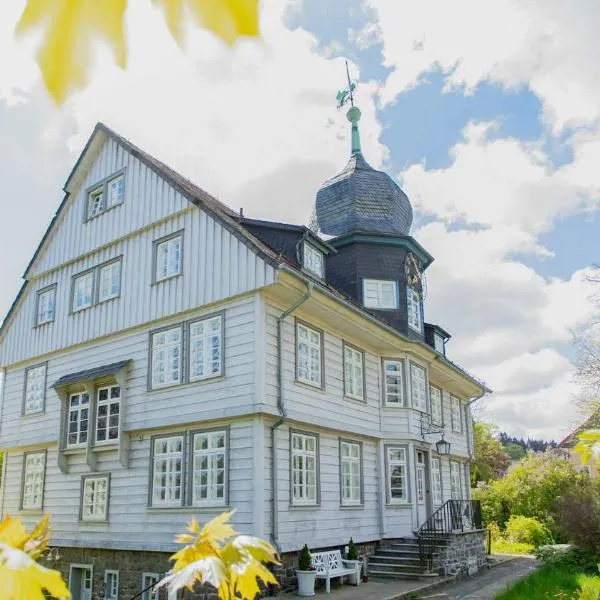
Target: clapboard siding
[
  {"x": 131, "y": 522},
  {"x": 207, "y": 278},
  {"x": 328, "y": 524},
  {"x": 230, "y": 395}
]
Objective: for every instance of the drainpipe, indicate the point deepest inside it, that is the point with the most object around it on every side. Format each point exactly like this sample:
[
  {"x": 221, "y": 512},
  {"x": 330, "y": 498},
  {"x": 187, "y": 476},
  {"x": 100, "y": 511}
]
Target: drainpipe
[{"x": 282, "y": 413}]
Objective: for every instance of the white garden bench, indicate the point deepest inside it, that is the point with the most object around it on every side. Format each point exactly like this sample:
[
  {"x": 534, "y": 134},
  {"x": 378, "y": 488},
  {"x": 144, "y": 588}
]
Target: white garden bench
[{"x": 331, "y": 564}]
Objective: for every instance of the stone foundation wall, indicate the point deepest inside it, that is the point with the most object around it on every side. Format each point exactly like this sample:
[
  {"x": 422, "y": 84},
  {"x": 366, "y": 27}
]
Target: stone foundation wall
[{"x": 464, "y": 553}]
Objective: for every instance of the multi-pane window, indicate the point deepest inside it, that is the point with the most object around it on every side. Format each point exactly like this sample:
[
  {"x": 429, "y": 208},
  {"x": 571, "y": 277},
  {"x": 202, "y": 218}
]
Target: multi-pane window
[
  {"x": 35, "y": 389},
  {"x": 421, "y": 472},
  {"x": 208, "y": 469},
  {"x": 94, "y": 498},
  {"x": 438, "y": 342},
  {"x": 168, "y": 258},
  {"x": 108, "y": 414},
  {"x": 350, "y": 469},
  {"x": 313, "y": 260},
  {"x": 380, "y": 294},
  {"x": 436, "y": 405},
  {"x": 166, "y": 357},
  {"x": 353, "y": 373},
  {"x": 394, "y": 382},
  {"x": 415, "y": 317},
  {"x": 34, "y": 465},
  {"x": 455, "y": 481},
  {"x": 111, "y": 585},
  {"x": 205, "y": 348},
  {"x": 109, "y": 281},
  {"x": 456, "y": 410},
  {"x": 78, "y": 419},
  {"x": 95, "y": 202},
  {"x": 309, "y": 355},
  {"x": 149, "y": 580},
  {"x": 436, "y": 481},
  {"x": 83, "y": 291},
  {"x": 116, "y": 190},
  {"x": 397, "y": 475},
  {"x": 418, "y": 387},
  {"x": 46, "y": 306},
  {"x": 304, "y": 468},
  {"x": 167, "y": 471}
]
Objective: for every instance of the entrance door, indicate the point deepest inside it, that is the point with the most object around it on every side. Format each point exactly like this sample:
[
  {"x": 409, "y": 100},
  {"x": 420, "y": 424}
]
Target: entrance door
[
  {"x": 423, "y": 495},
  {"x": 80, "y": 583}
]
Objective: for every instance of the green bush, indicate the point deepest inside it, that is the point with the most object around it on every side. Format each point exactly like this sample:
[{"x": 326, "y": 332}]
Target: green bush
[
  {"x": 304, "y": 561},
  {"x": 572, "y": 559},
  {"x": 527, "y": 530},
  {"x": 590, "y": 590},
  {"x": 352, "y": 551},
  {"x": 494, "y": 529}
]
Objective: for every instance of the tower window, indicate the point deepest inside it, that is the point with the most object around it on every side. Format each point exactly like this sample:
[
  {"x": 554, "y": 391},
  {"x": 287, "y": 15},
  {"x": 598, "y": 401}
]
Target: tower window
[
  {"x": 415, "y": 314},
  {"x": 312, "y": 260},
  {"x": 380, "y": 294}
]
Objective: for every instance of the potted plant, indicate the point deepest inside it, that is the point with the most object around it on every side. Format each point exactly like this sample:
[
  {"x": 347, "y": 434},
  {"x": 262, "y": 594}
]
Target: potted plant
[
  {"x": 352, "y": 558},
  {"x": 306, "y": 573}
]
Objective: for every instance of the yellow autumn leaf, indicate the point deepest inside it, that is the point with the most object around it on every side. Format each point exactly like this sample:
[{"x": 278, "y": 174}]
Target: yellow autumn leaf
[
  {"x": 228, "y": 19},
  {"x": 69, "y": 28}
]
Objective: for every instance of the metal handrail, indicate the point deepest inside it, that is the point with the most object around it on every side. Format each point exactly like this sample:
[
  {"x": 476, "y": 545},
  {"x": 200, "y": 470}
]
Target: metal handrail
[{"x": 454, "y": 516}]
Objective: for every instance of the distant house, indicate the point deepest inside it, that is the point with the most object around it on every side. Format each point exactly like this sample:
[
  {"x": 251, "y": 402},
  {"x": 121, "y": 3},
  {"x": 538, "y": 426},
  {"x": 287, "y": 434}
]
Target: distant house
[
  {"x": 167, "y": 357},
  {"x": 566, "y": 447}
]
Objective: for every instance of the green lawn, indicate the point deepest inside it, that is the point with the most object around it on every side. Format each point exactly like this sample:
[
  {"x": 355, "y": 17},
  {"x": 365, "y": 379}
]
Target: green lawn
[
  {"x": 502, "y": 546},
  {"x": 552, "y": 581}
]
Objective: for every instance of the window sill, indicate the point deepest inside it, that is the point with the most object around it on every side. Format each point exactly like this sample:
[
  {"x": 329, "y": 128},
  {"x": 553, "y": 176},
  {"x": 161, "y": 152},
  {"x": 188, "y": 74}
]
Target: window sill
[
  {"x": 187, "y": 509},
  {"x": 85, "y": 522},
  {"x": 354, "y": 398},
  {"x": 74, "y": 450},
  {"x": 169, "y": 278},
  {"x": 37, "y": 413},
  {"x": 304, "y": 506},
  {"x": 351, "y": 506},
  {"x": 76, "y": 311},
  {"x": 310, "y": 386},
  {"x": 114, "y": 445},
  {"x": 31, "y": 511},
  {"x": 398, "y": 505},
  {"x": 108, "y": 300},
  {"x": 170, "y": 386},
  {"x": 39, "y": 325},
  {"x": 89, "y": 218}
]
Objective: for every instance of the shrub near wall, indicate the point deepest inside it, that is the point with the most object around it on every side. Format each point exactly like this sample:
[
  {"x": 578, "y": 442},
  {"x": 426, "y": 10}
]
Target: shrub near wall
[{"x": 527, "y": 530}]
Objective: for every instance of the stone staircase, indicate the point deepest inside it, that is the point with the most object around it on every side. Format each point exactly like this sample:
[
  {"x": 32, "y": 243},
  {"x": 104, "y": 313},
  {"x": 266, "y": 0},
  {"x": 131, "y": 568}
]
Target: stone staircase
[{"x": 398, "y": 560}]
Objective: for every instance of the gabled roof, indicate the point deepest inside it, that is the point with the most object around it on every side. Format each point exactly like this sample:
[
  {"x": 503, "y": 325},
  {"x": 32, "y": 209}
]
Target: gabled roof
[
  {"x": 592, "y": 422},
  {"x": 90, "y": 374}
]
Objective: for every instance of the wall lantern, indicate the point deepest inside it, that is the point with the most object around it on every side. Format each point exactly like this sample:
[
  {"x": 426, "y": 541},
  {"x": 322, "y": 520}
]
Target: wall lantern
[{"x": 443, "y": 447}]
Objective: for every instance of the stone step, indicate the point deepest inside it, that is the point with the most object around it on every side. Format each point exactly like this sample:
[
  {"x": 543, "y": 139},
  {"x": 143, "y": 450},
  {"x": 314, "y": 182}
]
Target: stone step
[
  {"x": 395, "y": 560},
  {"x": 393, "y": 574},
  {"x": 394, "y": 568}
]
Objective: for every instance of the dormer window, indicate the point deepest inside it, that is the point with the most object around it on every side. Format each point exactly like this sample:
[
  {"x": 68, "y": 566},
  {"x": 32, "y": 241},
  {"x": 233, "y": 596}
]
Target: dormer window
[
  {"x": 312, "y": 260},
  {"x": 380, "y": 294},
  {"x": 415, "y": 314},
  {"x": 438, "y": 342}
]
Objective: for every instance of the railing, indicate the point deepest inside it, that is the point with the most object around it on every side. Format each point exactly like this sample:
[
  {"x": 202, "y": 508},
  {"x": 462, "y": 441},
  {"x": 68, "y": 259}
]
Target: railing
[{"x": 455, "y": 516}]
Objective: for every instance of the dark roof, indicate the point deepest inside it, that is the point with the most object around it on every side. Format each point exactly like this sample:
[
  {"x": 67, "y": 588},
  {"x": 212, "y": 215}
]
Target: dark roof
[
  {"x": 592, "y": 422},
  {"x": 90, "y": 374},
  {"x": 361, "y": 199},
  {"x": 438, "y": 329}
]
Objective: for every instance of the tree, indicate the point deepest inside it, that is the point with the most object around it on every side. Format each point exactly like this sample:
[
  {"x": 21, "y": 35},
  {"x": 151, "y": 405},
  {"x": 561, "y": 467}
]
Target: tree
[
  {"x": 515, "y": 451},
  {"x": 531, "y": 489},
  {"x": 491, "y": 461}
]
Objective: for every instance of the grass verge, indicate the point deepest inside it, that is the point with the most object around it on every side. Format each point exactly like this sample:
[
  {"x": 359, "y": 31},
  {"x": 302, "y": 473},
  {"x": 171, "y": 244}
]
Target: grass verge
[
  {"x": 552, "y": 581},
  {"x": 502, "y": 546}
]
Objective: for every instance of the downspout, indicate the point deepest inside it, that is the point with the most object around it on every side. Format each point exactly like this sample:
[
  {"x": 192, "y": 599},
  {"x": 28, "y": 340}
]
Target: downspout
[
  {"x": 282, "y": 412},
  {"x": 5, "y": 458}
]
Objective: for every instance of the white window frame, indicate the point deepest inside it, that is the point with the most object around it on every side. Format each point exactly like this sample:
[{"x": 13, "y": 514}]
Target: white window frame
[
  {"x": 351, "y": 473},
  {"x": 421, "y": 475},
  {"x": 166, "y": 348},
  {"x": 307, "y": 370},
  {"x": 455, "y": 481},
  {"x": 212, "y": 327},
  {"x": 44, "y": 314},
  {"x": 300, "y": 456},
  {"x": 414, "y": 309},
  {"x": 111, "y": 594},
  {"x": 312, "y": 260},
  {"x": 79, "y": 410},
  {"x": 170, "y": 458},
  {"x": 34, "y": 476},
  {"x": 380, "y": 294},
  {"x": 110, "y": 199},
  {"x": 87, "y": 577},
  {"x": 437, "y": 492},
  {"x": 396, "y": 398},
  {"x": 169, "y": 243},
  {"x": 93, "y": 481},
  {"x": 456, "y": 413},
  {"x": 94, "y": 209},
  {"x": 147, "y": 579},
  {"x": 112, "y": 267},
  {"x": 34, "y": 396},
  {"x": 437, "y": 404},
  {"x": 108, "y": 403},
  {"x": 212, "y": 453},
  {"x": 417, "y": 402},
  {"x": 392, "y": 462},
  {"x": 354, "y": 372},
  {"x": 86, "y": 275},
  {"x": 438, "y": 343}
]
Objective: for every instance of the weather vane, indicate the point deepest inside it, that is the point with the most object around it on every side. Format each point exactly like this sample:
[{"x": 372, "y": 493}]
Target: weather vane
[{"x": 346, "y": 94}]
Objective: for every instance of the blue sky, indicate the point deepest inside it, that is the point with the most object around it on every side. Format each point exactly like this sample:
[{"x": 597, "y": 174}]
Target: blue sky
[{"x": 494, "y": 137}]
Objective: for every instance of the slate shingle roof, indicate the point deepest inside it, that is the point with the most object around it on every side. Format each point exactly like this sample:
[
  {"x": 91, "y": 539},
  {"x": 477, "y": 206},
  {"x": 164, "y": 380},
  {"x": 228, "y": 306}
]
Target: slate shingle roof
[{"x": 90, "y": 374}]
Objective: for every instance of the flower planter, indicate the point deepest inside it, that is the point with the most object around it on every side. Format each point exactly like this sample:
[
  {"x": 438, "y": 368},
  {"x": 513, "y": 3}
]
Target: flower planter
[
  {"x": 354, "y": 579},
  {"x": 306, "y": 582}
]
